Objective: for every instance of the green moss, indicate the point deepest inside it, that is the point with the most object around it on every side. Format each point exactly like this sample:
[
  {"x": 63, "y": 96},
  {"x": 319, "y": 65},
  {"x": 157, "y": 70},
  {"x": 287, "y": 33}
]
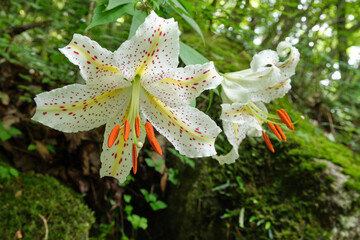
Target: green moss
[{"x": 24, "y": 199}]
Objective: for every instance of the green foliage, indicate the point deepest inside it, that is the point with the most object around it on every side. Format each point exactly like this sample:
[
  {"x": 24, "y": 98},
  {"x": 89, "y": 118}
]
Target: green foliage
[
  {"x": 151, "y": 198},
  {"x": 7, "y": 172},
  {"x": 30, "y": 197},
  {"x": 7, "y": 134}
]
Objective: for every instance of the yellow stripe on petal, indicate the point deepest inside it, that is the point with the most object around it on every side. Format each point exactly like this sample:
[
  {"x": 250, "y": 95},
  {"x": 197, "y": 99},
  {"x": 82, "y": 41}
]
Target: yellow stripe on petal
[
  {"x": 191, "y": 81},
  {"x": 150, "y": 54},
  {"x": 92, "y": 60},
  {"x": 83, "y": 104},
  {"x": 175, "y": 119}
]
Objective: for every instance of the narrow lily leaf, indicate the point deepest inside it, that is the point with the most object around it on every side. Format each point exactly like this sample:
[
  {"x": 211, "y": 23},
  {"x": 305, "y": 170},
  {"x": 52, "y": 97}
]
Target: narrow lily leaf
[
  {"x": 211, "y": 97},
  {"x": 101, "y": 16},
  {"x": 185, "y": 15},
  {"x": 137, "y": 19},
  {"x": 190, "y": 56},
  {"x": 114, "y": 3}
]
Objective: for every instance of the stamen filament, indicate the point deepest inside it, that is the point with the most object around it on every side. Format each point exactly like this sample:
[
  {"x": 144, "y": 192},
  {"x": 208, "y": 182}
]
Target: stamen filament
[
  {"x": 267, "y": 141},
  {"x": 256, "y": 108},
  {"x": 278, "y": 128},
  {"x": 134, "y": 158},
  {"x": 113, "y": 135},
  {"x": 271, "y": 126},
  {"x": 126, "y": 130}
]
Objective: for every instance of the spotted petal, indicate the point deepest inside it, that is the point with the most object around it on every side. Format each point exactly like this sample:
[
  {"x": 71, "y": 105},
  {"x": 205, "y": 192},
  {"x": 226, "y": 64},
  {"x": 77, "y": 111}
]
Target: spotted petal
[
  {"x": 237, "y": 123},
  {"x": 116, "y": 161},
  {"x": 266, "y": 76},
  {"x": 95, "y": 63},
  {"x": 191, "y": 132},
  {"x": 183, "y": 85},
  {"x": 271, "y": 93},
  {"x": 77, "y": 107},
  {"x": 152, "y": 51}
]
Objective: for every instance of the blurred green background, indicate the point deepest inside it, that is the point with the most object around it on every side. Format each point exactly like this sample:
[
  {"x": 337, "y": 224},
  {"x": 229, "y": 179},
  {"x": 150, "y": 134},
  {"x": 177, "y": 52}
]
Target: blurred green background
[{"x": 308, "y": 189}]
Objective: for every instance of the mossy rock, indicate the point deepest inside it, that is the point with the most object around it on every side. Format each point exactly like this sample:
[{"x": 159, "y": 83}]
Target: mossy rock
[
  {"x": 30, "y": 199},
  {"x": 292, "y": 194}
]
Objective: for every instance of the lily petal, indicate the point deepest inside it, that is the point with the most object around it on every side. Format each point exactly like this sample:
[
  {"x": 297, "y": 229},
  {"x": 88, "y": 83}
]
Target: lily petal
[
  {"x": 187, "y": 84},
  {"x": 152, "y": 51},
  {"x": 238, "y": 123},
  {"x": 77, "y": 107},
  {"x": 116, "y": 161},
  {"x": 191, "y": 132},
  {"x": 228, "y": 158},
  {"x": 271, "y": 93},
  {"x": 237, "y": 86},
  {"x": 95, "y": 63}
]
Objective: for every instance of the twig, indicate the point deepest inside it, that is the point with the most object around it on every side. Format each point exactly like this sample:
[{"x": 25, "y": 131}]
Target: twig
[{"x": 46, "y": 226}]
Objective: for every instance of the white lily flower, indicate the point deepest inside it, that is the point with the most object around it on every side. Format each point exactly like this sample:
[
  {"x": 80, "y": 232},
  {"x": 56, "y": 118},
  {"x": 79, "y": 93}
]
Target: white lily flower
[
  {"x": 138, "y": 82},
  {"x": 245, "y": 92}
]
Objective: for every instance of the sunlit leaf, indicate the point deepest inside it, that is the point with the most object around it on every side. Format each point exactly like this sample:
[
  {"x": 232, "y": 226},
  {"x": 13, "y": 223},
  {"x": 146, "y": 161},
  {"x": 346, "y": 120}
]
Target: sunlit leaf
[
  {"x": 137, "y": 19},
  {"x": 185, "y": 15},
  {"x": 190, "y": 56},
  {"x": 101, "y": 16},
  {"x": 114, "y": 3}
]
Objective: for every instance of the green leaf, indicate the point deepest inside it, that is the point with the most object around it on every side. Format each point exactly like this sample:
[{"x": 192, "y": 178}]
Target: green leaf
[
  {"x": 114, "y": 3},
  {"x": 26, "y": 77},
  {"x": 193, "y": 103},
  {"x": 211, "y": 98},
  {"x": 50, "y": 148},
  {"x": 127, "y": 198},
  {"x": 13, "y": 172},
  {"x": 4, "y": 135},
  {"x": 137, "y": 19},
  {"x": 173, "y": 175},
  {"x": 101, "y": 16},
  {"x": 137, "y": 221},
  {"x": 128, "y": 209},
  {"x": 267, "y": 225},
  {"x": 221, "y": 187},
  {"x": 32, "y": 147},
  {"x": 158, "y": 205},
  {"x": 185, "y": 15},
  {"x": 190, "y": 56},
  {"x": 14, "y": 131}
]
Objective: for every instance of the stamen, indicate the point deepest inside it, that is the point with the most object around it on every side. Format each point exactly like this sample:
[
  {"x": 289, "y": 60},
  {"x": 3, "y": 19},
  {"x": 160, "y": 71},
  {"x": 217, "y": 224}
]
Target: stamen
[
  {"x": 278, "y": 128},
  {"x": 113, "y": 135},
  {"x": 151, "y": 137},
  {"x": 271, "y": 126},
  {"x": 267, "y": 141},
  {"x": 126, "y": 130},
  {"x": 137, "y": 126},
  {"x": 134, "y": 158},
  {"x": 288, "y": 118},
  {"x": 284, "y": 119}
]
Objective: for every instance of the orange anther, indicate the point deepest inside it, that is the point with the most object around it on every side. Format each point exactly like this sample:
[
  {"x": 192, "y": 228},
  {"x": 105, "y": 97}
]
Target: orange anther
[
  {"x": 134, "y": 158},
  {"x": 267, "y": 141},
  {"x": 288, "y": 118},
  {"x": 284, "y": 119},
  {"x": 113, "y": 135},
  {"x": 151, "y": 137},
  {"x": 278, "y": 128},
  {"x": 137, "y": 126},
  {"x": 126, "y": 130},
  {"x": 271, "y": 126}
]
